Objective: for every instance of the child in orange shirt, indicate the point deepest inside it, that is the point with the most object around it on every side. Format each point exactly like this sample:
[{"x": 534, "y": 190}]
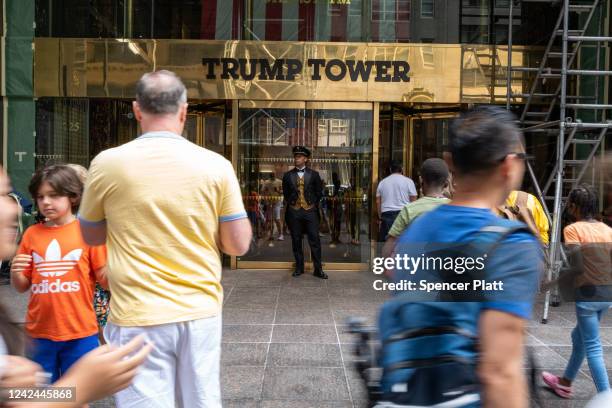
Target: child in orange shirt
[{"x": 61, "y": 271}]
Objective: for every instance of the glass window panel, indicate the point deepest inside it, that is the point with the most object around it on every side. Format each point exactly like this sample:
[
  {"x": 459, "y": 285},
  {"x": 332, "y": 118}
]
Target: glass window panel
[
  {"x": 140, "y": 19},
  {"x": 486, "y": 22},
  {"x": 74, "y": 130},
  {"x": 189, "y": 19},
  {"x": 77, "y": 18},
  {"x": 191, "y": 129},
  {"x": 343, "y": 158},
  {"x": 62, "y": 130},
  {"x": 390, "y": 20},
  {"x": 427, "y": 8},
  {"x": 177, "y": 18},
  {"x": 429, "y": 139}
]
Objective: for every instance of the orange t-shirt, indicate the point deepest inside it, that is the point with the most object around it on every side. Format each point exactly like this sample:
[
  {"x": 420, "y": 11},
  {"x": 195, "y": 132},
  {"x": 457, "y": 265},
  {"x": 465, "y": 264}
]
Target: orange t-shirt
[
  {"x": 63, "y": 282},
  {"x": 595, "y": 240}
]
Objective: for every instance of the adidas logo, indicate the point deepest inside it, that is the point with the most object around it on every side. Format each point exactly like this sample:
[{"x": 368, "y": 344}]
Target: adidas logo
[
  {"x": 56, "y": 286},
  {"x": 53, "y": 265}
]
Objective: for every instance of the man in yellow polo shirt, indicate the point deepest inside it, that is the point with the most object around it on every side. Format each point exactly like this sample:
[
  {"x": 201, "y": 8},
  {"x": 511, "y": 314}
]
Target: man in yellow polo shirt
[{"x": 166, "y": 208}]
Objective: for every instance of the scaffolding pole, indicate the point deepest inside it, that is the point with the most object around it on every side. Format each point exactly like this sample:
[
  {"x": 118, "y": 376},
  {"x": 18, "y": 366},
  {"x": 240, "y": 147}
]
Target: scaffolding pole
[
  {"x": 555, "y": 240},
  {"x": 509, "y": 69}
]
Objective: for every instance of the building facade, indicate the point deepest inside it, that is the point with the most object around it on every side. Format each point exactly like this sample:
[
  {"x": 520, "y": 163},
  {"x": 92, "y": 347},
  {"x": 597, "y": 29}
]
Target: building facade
[{"x": 361, "y": 82}]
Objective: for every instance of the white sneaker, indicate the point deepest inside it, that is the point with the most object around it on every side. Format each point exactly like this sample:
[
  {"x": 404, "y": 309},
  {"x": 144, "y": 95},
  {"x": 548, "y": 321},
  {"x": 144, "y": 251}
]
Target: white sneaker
[{"x": 280, "y": 238}]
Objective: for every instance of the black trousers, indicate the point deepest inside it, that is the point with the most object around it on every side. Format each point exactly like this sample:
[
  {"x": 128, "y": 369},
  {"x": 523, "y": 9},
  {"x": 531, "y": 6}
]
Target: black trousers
[
  {"x": 388, "y": 218},
  {"x": 302, "y": 222}
]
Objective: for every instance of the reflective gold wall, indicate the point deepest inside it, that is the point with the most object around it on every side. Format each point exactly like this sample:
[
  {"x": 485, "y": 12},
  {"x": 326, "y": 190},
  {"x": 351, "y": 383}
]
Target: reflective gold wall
[{"x": 438, "y": 73}]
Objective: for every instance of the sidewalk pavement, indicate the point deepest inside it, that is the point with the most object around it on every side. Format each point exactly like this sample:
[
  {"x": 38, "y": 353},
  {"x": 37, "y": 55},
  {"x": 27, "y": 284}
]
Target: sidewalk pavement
[{"x": 285, "y": 345}]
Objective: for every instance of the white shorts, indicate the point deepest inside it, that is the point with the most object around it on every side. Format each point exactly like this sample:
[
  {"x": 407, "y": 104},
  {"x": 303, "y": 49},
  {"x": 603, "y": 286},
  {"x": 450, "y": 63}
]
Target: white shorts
[
  {"x": 181, "y": 371},
  {"x": 277, "y": 210}
]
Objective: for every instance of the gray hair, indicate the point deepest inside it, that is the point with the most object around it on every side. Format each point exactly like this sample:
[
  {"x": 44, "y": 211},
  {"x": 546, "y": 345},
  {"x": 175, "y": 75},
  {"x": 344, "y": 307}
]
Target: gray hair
[{"x": 160, "y": 92}]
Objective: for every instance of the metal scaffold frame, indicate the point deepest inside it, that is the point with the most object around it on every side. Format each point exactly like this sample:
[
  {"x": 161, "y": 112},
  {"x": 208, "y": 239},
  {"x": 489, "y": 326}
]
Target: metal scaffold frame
[{"x": 569, "y": 130}]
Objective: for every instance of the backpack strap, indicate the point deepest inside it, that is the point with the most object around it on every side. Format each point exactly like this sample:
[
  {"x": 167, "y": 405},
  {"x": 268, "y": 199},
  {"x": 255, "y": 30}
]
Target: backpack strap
[
  {"x": 501, "y": 233},
  {"x": 522, "y": 199}
]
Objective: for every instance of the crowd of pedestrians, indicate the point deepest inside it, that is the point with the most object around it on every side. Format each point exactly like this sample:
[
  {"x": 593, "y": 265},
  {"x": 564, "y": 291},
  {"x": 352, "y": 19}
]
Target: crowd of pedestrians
[{"x": 159, "y": 310}]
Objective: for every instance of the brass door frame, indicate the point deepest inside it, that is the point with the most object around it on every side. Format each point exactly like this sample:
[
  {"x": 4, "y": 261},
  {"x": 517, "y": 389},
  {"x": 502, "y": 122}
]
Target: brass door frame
[
  {"x": 199, "y": 127},
  {"x": 373, "y": 107},
  {"x": 375, "y": 159}
]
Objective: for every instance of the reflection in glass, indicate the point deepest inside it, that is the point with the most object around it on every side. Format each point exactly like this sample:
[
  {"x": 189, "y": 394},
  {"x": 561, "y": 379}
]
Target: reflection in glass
[
  {"x": 341, "y": 146},
  {"x": 74, "y": 130},
  {"x": 429, "y": 139},
  {"x": 81, "y": 19},
  {"x": 486, "y": 22},
  {"x": 192, "y": 128},
  {"x": 62, "y": 131},
  {"x": 392, "y": 144},
  {"x": 465, "y": 21},
  {"x": 274, "y": 20}
]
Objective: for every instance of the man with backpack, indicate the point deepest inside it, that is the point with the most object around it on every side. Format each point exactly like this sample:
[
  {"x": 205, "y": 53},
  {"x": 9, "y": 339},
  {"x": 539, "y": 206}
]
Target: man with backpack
[{"x": 465, "y": 348}]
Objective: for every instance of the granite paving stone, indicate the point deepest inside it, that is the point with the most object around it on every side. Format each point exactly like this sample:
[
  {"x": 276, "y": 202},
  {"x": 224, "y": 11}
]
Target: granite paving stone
[
  {"x": 247, "y": 333},
  {"x": 289, "y": 333},
  {"x": 305, "y": 383},
  {"x": 241, "y": 382},
  {"x": 304, "y": 355},
  {"x": 251, "y": 354},
  {"x": 286, "y": 344}
]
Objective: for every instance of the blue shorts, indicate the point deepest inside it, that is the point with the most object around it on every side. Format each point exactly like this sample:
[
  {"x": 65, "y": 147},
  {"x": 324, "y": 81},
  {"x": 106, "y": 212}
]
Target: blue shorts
[{"x": 56, "y": 357}]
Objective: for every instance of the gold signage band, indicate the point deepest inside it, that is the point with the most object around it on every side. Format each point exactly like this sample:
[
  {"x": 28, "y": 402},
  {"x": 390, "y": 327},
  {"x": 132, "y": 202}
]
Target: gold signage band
[{"x": 281, "y": 71}]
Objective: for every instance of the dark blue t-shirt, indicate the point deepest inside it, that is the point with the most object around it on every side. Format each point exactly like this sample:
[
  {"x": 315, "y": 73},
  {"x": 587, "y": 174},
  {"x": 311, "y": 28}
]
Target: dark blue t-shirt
[{"x": 516, "y": 262}]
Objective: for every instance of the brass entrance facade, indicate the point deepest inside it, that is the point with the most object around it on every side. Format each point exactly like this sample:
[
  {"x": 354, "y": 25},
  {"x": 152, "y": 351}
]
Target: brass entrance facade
[
  {"x": 209, "y": 125},
  {"x": 352, "y": 144}
]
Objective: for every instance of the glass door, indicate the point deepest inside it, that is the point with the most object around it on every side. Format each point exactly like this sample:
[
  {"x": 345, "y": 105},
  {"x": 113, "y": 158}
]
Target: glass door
[
  {"x": 207, "y": 126},
  {"x": 340, "y": 138},
  {"x": 393, "y": 142},
  {"x": 428, "y": 138}
]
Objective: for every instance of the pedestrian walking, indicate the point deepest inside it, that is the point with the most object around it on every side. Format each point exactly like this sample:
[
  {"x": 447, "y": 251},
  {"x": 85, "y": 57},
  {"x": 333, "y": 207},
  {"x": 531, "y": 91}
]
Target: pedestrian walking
[
  {"x": 392, "y": 194},
  {"x": 590, "y": 244},
  {"x": 166, "y": 208},
  {"x": 302, "y": 191},
  {"x": 434, "y": 178},
  {"x": 463, "y": 347}
]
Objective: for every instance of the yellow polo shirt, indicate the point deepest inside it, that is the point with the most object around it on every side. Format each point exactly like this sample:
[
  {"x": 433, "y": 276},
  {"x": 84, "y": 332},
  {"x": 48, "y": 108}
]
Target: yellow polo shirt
[{"x": 162, "y": 198}]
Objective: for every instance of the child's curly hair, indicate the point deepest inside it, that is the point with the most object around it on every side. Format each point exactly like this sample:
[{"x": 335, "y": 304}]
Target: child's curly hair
[{"x": 584, "y": 198}]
